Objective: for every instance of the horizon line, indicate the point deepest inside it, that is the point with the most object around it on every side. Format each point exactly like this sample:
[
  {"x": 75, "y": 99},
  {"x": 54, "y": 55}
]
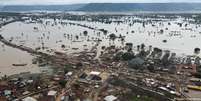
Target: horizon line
[{"x": 102, "y": 3}]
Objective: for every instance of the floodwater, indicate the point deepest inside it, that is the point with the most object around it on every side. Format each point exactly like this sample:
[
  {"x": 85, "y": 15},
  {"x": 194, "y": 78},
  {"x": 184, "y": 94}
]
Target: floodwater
[
  {"x": 51, "y": 36},
  {"x": 10, "y": 56},
  {"x": 181, "y": 40}
]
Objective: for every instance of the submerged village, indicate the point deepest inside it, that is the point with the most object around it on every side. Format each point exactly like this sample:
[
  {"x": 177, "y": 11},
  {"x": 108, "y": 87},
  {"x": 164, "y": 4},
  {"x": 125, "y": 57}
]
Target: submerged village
[{"x": 100, "y": 57}]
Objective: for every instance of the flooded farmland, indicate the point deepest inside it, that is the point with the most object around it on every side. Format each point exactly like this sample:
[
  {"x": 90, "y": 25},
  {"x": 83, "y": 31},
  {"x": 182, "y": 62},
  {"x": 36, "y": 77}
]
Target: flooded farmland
[
  {"x": 180, "y": 39},
  {"x": 58, "y": 51},
  {"x": 101, "y": 50},
  {"x": 178, "y": 34}
]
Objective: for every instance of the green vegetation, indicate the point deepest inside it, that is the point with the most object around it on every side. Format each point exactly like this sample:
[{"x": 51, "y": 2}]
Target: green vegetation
[
  {"x": 118, "y": 56},
  {"x": 143, "y": 98},
  {"x": 67, "y": 67},
  {"x": 1, "y": 37},
  {"x": 124, "y": 56},
  {"x": 85, "y": 33},
  {"x": 79, "y": 64},
  {"x": 112, "y": 37},
  {"x": 62, "y": 83},
  {"x": 128, "y": 56}
]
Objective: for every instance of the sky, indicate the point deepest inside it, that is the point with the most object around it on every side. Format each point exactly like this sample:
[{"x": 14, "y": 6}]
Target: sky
[{"x": 31, "y": 2}]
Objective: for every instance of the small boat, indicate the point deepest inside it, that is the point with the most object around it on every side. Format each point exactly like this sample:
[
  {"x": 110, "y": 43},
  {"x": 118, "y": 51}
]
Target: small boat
[
  {"x": 76, "y": 41},
  {"x": 23, "y": 64},
  {"x": 194, "y": 87},
  {"x": 75, "y": 48},
  {"x": 59, "y": 53}
]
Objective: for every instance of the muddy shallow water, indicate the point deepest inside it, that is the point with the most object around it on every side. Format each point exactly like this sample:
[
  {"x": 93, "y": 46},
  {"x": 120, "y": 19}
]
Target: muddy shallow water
[
  {"x": 10, "y": 56},
  {"x": 50, "y": 36}
]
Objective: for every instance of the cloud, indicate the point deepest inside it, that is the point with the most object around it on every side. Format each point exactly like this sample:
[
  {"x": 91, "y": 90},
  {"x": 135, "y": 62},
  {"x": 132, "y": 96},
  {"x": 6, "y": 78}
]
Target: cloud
[{"x": 86, "y": 1}]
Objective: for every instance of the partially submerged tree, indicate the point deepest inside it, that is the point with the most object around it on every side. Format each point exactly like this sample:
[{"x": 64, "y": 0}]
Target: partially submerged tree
[
  {"x": 85, "y": 33},
  {"x": 197, "y": 50},
  {"x": 112, "y": 37},
  {"x": 1, "y": 37}
]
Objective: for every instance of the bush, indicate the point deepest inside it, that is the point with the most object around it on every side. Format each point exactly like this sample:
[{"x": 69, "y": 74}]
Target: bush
[
  {"x": 85, "y": 33},
  {"x": 143, "y": 98},
  {"x": 112, "y": 37},
  {"x": 67, "y": 68},
  {"x": 128, "y": 56},
  {"x": 62, "y": 83}
]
